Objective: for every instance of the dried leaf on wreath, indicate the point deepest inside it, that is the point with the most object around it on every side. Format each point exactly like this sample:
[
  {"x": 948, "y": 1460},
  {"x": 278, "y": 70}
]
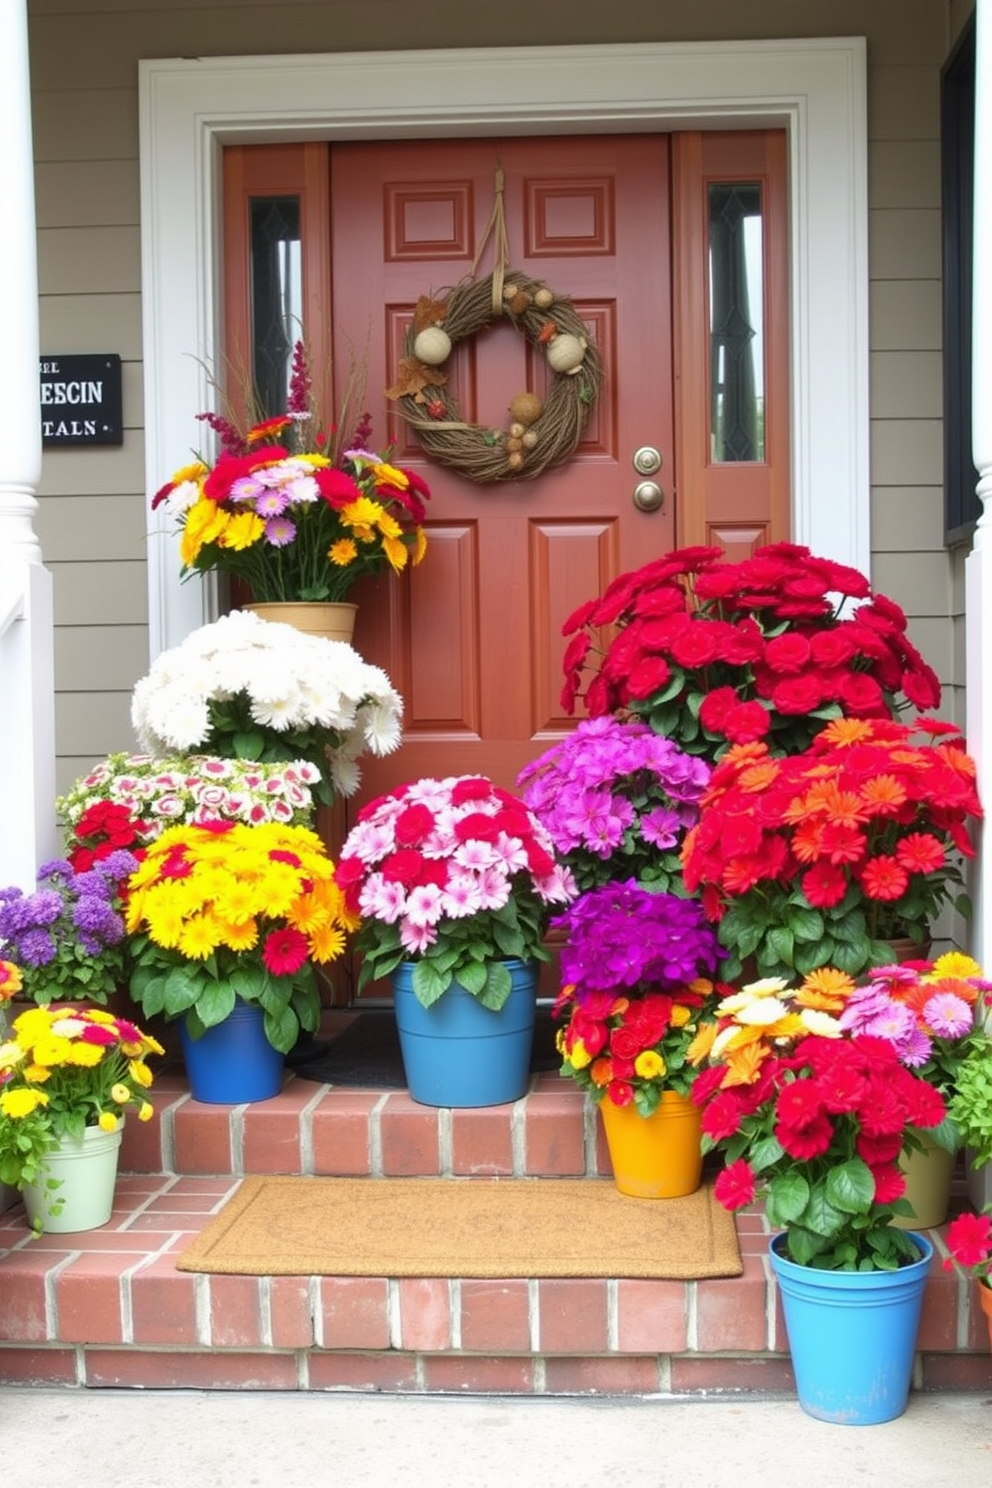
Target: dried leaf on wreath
[
  {"x": 414, "y": 377},
  {"x": 428, "y": 312}
]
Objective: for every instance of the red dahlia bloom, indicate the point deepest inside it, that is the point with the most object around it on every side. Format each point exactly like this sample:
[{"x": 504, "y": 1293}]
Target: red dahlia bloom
[{"x": 735, "y": 1185}]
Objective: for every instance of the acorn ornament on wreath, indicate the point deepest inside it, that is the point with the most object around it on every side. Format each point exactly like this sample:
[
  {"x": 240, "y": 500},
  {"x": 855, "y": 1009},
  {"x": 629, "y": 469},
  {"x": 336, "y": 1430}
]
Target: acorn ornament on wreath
[{"x": 541, "y": 432}]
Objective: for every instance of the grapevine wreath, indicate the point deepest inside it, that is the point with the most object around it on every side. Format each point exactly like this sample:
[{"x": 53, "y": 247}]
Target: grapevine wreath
[{"x": 540, "y": 432}]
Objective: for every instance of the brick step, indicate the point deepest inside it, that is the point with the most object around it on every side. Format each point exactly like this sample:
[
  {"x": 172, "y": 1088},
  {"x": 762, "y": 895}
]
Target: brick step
[
  {"x": 343, "y": 1131},
  {"x": 108, "y": 1307}
]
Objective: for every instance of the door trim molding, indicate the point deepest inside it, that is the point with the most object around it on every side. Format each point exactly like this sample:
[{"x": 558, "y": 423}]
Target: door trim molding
[{"x": 815, "y": 89}]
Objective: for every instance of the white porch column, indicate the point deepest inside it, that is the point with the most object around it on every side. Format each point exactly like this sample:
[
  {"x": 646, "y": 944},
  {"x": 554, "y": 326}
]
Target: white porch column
[
  {"x": 27, "y": 736},
  {"x": 978, "y": 574}
]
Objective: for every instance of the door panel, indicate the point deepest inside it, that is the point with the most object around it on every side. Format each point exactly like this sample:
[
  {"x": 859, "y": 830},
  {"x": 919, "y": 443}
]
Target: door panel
[{"x": 472, "y": 638}]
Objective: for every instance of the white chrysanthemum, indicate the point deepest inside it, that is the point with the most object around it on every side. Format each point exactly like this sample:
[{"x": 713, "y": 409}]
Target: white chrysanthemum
[
  {"x": 382, "y": 721},
  {"x": 820, "y": 1023},
  {"x": 182, "y": 497}
]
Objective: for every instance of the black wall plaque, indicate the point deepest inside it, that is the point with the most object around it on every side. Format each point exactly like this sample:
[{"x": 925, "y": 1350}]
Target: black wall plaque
[{"x": 81, "y": 400}]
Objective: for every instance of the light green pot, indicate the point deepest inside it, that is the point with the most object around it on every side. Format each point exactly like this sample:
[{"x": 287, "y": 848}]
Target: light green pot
[{"x": 85, "y": 1170}]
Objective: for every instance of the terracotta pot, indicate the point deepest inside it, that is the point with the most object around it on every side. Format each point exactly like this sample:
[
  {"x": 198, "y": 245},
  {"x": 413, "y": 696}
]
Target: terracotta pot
[
  {"x": 985, "y": 1303},
  {"x": 335, "y": 622},
  {"x": 657, "y": 1156}
]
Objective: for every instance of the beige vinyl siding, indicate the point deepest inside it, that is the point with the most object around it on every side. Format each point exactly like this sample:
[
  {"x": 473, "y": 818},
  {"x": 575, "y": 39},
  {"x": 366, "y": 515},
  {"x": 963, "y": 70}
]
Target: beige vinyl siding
[{"x": 84, "y": 60}]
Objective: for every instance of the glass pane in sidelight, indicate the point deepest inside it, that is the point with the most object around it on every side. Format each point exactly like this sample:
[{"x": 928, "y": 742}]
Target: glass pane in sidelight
[
  {"x": 737, "y": 295},
  {"x": 276, "y": 297}
]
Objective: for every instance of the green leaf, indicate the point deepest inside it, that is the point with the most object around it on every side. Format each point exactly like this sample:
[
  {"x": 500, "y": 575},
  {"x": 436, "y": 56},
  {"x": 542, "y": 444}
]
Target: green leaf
[
  {"x": 215, "y": 1003},
  {"x": 806, "y": 924},
  {"x": 248, "y": 980},
  {"x": 249, "y": 746},
  {"x": 850, "y": 1187},
  {"x": 781, "y": 944},
  {"x": 499, "y": 985},
  {"x": 788, "y": 1195},
  {"x": 282, "y": 1028},
  {"x": 472, "y": 977},
  {"x": 428, "y": 983},
  {"x": 181, "y": 990}
]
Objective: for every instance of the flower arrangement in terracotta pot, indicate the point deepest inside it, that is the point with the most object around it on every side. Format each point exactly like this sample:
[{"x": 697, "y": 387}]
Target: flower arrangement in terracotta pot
[
  {"x": 250, "y": 689},
  {"x": 456, "y": 875},
  {"x": 637, "y": 969},
  {"x": 67, "y": 936},
  {"x": 617, "y": 800},
  {"x": 811, "y": 1115},
  {"x": 290, "y": 510},
  {"x": 712, "y": 653},
  {"x": 824, "y": 857},
  {"x": 227, "y": 912}
]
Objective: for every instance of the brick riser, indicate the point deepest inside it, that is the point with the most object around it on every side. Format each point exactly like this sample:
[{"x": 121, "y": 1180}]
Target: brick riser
[{"x": 108, "y": 1307}]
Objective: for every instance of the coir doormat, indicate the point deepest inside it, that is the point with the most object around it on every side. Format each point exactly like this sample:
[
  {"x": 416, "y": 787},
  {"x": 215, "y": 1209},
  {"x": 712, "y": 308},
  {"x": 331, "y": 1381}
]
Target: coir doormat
[{"x": 469, "y": 1227}]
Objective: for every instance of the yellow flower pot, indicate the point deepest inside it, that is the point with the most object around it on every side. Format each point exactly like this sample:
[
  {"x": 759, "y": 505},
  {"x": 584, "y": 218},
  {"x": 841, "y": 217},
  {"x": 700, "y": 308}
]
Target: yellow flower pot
[
  {"x": 335, "y": 622},
  {"x": 657, "y": 1156}
]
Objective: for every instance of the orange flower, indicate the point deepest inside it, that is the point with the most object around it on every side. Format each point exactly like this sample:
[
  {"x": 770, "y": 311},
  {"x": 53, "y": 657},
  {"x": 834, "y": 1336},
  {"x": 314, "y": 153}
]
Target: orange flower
[
  {"x": 841, "y": 731},
  {"x": 601, "y": 1071},
  {"x": 883, "y": 795},
  {"x": 826, "y": 989},
  {"x": 744, "y": 1062},
  {"x": 757, "y": 777}
]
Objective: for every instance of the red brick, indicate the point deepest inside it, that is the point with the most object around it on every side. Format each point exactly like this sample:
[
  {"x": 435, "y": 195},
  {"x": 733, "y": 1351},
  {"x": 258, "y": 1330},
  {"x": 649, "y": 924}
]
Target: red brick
[
  {"x": 482, "y": 1141},
  {"x": 957, "y": 1371},
  {"x": 202, "y": 1139},
  {"x": 368, "y": 1372},
  {"x": 41, "y": 1366},
  {"x": 945, "y": 1294},
  {"x": 495, "y": 1315},
  {"x": 732, "y": 1311},
  {"x": 235, "y": 1315},
  {"x": 354, "y": 1312},
  {"x": 290, "y": 1313},
  {"x": 163, "y": 1307},
  {"x": 339, "y": 1128},
  {"x": 271, "y": 1130},
  {"x": 452, "y": 1373},
  {"x": 23, "y": 1277},
  {"x": 425, "y": 1320},
  {"x": 572, "y": 1316},
  {"x": 211, "y": 1369},
  {"x": 553, "y": 1135},
  {"x": 409, "y": 1132},
  {"x": 88, "y": 1299},
  {"x": 696, "y": 1374},
  {"x": 613, "y": 1375},
  {"x": 651, "y": 1317}
]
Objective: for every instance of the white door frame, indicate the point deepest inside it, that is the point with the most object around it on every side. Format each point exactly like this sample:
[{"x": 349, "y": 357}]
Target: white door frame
[{"x": 816, "y": 89}]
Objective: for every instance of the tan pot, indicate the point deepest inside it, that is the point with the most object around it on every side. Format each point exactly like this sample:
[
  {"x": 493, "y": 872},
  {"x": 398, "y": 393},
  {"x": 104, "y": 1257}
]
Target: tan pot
[
  {"x": 928, "y": 1185},
  {"x": 335, "y": 622}
]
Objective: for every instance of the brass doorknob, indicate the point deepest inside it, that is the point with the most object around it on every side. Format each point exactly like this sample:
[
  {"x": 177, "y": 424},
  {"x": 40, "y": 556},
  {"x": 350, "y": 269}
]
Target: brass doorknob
[
  {"x": 648, "y": 496},
  {"x": 646, "y": 460}
]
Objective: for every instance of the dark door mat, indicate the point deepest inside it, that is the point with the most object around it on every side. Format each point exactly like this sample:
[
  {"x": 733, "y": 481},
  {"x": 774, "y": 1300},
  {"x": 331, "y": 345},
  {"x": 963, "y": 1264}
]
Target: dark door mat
[{"x": 368, "y": 1053}]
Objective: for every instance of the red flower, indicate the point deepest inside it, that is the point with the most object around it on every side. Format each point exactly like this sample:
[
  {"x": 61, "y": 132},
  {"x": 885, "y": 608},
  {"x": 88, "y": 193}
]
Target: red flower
[
  {"x": 285, "y": 951},
  {"x": 884, "y": 878},
  {"x": 722, "y": 1115},
  {"x": 413, "y": 824},
  {"x": 744, "y": 723},
  {"x": 715, "y": 707},
  {"x": 799, "y": 1105},
  {"x": 735, "y": 1185},
  {"x": 787, "y": 654},
  {"x": 808, "y": 1142},
  {"x": 824, "y": 885},
  {"x": 921, "y": 852},
  {"x": 797, "y": 695},
  {"x": 471, "y": 788},
  {"x": 402, "y": 867},
  {"x": 969, "y": 1239},
  {"x": 647, "y": 676},
  {"x": 890, "y": 1183}
]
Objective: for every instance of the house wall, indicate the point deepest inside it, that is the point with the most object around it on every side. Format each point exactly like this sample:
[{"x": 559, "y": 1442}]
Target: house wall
[{"x": 93, "y": 506}]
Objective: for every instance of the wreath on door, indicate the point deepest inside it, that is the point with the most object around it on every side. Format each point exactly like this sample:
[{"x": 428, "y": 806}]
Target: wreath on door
[{"x": 540, "y": 432}]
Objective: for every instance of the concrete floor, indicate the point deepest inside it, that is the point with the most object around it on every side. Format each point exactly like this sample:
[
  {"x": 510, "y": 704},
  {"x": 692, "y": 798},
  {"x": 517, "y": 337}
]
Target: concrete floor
[{"x": 196, "y": 1439}]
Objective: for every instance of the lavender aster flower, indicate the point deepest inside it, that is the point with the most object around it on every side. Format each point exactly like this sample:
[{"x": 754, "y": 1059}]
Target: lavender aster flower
[
  {"x": 948, "y": 1015},
  {"x": 621, "y": 935},
  {"x": 36, "y": 948}
]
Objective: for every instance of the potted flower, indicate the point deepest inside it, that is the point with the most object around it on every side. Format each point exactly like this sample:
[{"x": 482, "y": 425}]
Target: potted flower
[
  {"x": 68, "y": 1076},
  {"x": 226, "y": 923},
  {"x": 926, "y": 1010},
  {"x": 617, "y": 799},
  {"x": 825, "y": 857},
  {"x": 811, "y": 1117},
  {"x": 291, "y": 511},
  {"x": 128, "y": 800},
  {"x": 636, "y": 967},
  {"x": 67, "y": 935},
  {"x": 713, "y": 653},
  {"x": 244, "y": 688},
  {"x": 969, "y": 1240},
  {"x": 453, "y": 881}
]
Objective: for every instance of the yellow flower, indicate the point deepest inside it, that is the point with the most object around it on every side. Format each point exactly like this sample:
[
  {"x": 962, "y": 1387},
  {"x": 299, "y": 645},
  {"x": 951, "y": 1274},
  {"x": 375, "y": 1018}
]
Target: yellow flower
[
  {"x": 239, "y": 936},
  {"x": 146, "y": 1111},
  {"x": 388, "y": 525},
  {"x": 327, "y": 943},
  {"x": 204, "y": 524},
  {"x": 17, "y": 1103},
  {"x": 199, "y": 937},
  {"x": 343, "y": 552},
  {"x": 680, "y": 1015},
  {"x": 11, "y": 1054},
  {"x": 956, "y": 964},
  {"x": 51, "y": 1051},
  {"x": 388, "y": 475},
  {"x": 701, "y": 1045},
  {"x": 242, "y": 531},
  {"x": 754, "y": 991},
  {"x": 84, "y": 1056},
  {"x": 362, "y": 517},
  {"x": 649, "y": 1065},
  {"x": 140, "y": 1073},
  {"x": 578, "y": 1055},
  {"x": 108, "y": 1121},
  {"x": 419, "y": 546},
  {"x": 194, "y": 472},
  {"x": 32, "y": 1025},
  {"x": 396, "y": 552},
  {"x": 10, "y": 979},
  {"x": 120, "y": 1094},
  {"x": 820, "y": 1023}
]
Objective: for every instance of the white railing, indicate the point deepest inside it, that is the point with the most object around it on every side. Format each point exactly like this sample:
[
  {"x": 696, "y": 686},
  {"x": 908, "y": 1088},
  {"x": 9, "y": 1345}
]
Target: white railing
[{"x": 28, "y": 832}]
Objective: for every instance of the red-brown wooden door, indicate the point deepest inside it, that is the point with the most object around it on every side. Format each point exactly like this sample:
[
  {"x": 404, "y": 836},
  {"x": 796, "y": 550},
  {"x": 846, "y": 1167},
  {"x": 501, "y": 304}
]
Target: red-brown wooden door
[{"x": 473, "y": 639}]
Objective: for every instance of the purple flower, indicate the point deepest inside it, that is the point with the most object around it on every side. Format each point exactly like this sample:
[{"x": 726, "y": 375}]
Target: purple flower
[
  {"x": 279, "y": 532},
  {"x": 621, "y": 935},
  {"x": 948, "y": 1015},
  {"x": 36, "y": 948},
  {"x": 55, "y": 868}
]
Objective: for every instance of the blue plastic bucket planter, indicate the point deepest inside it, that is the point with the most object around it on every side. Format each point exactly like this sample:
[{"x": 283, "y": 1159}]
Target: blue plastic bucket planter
[
  {"x": 852, "y": 1335},
  {"x": 234, "y": 1061},
  {"x": 459, "y": 1053}
]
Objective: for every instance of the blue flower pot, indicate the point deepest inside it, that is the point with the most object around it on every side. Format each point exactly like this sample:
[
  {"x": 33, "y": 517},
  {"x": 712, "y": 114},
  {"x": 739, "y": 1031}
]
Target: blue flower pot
[
  {"x": 459, "y": 1053},
  {"x": 852, "y": 1335},
  {"x": 233, "y": 1062}
]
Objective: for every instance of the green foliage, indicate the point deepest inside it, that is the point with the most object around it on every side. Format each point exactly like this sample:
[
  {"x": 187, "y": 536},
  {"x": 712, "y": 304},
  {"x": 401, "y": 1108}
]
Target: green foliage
[{"x": 971, "y": 1103}]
